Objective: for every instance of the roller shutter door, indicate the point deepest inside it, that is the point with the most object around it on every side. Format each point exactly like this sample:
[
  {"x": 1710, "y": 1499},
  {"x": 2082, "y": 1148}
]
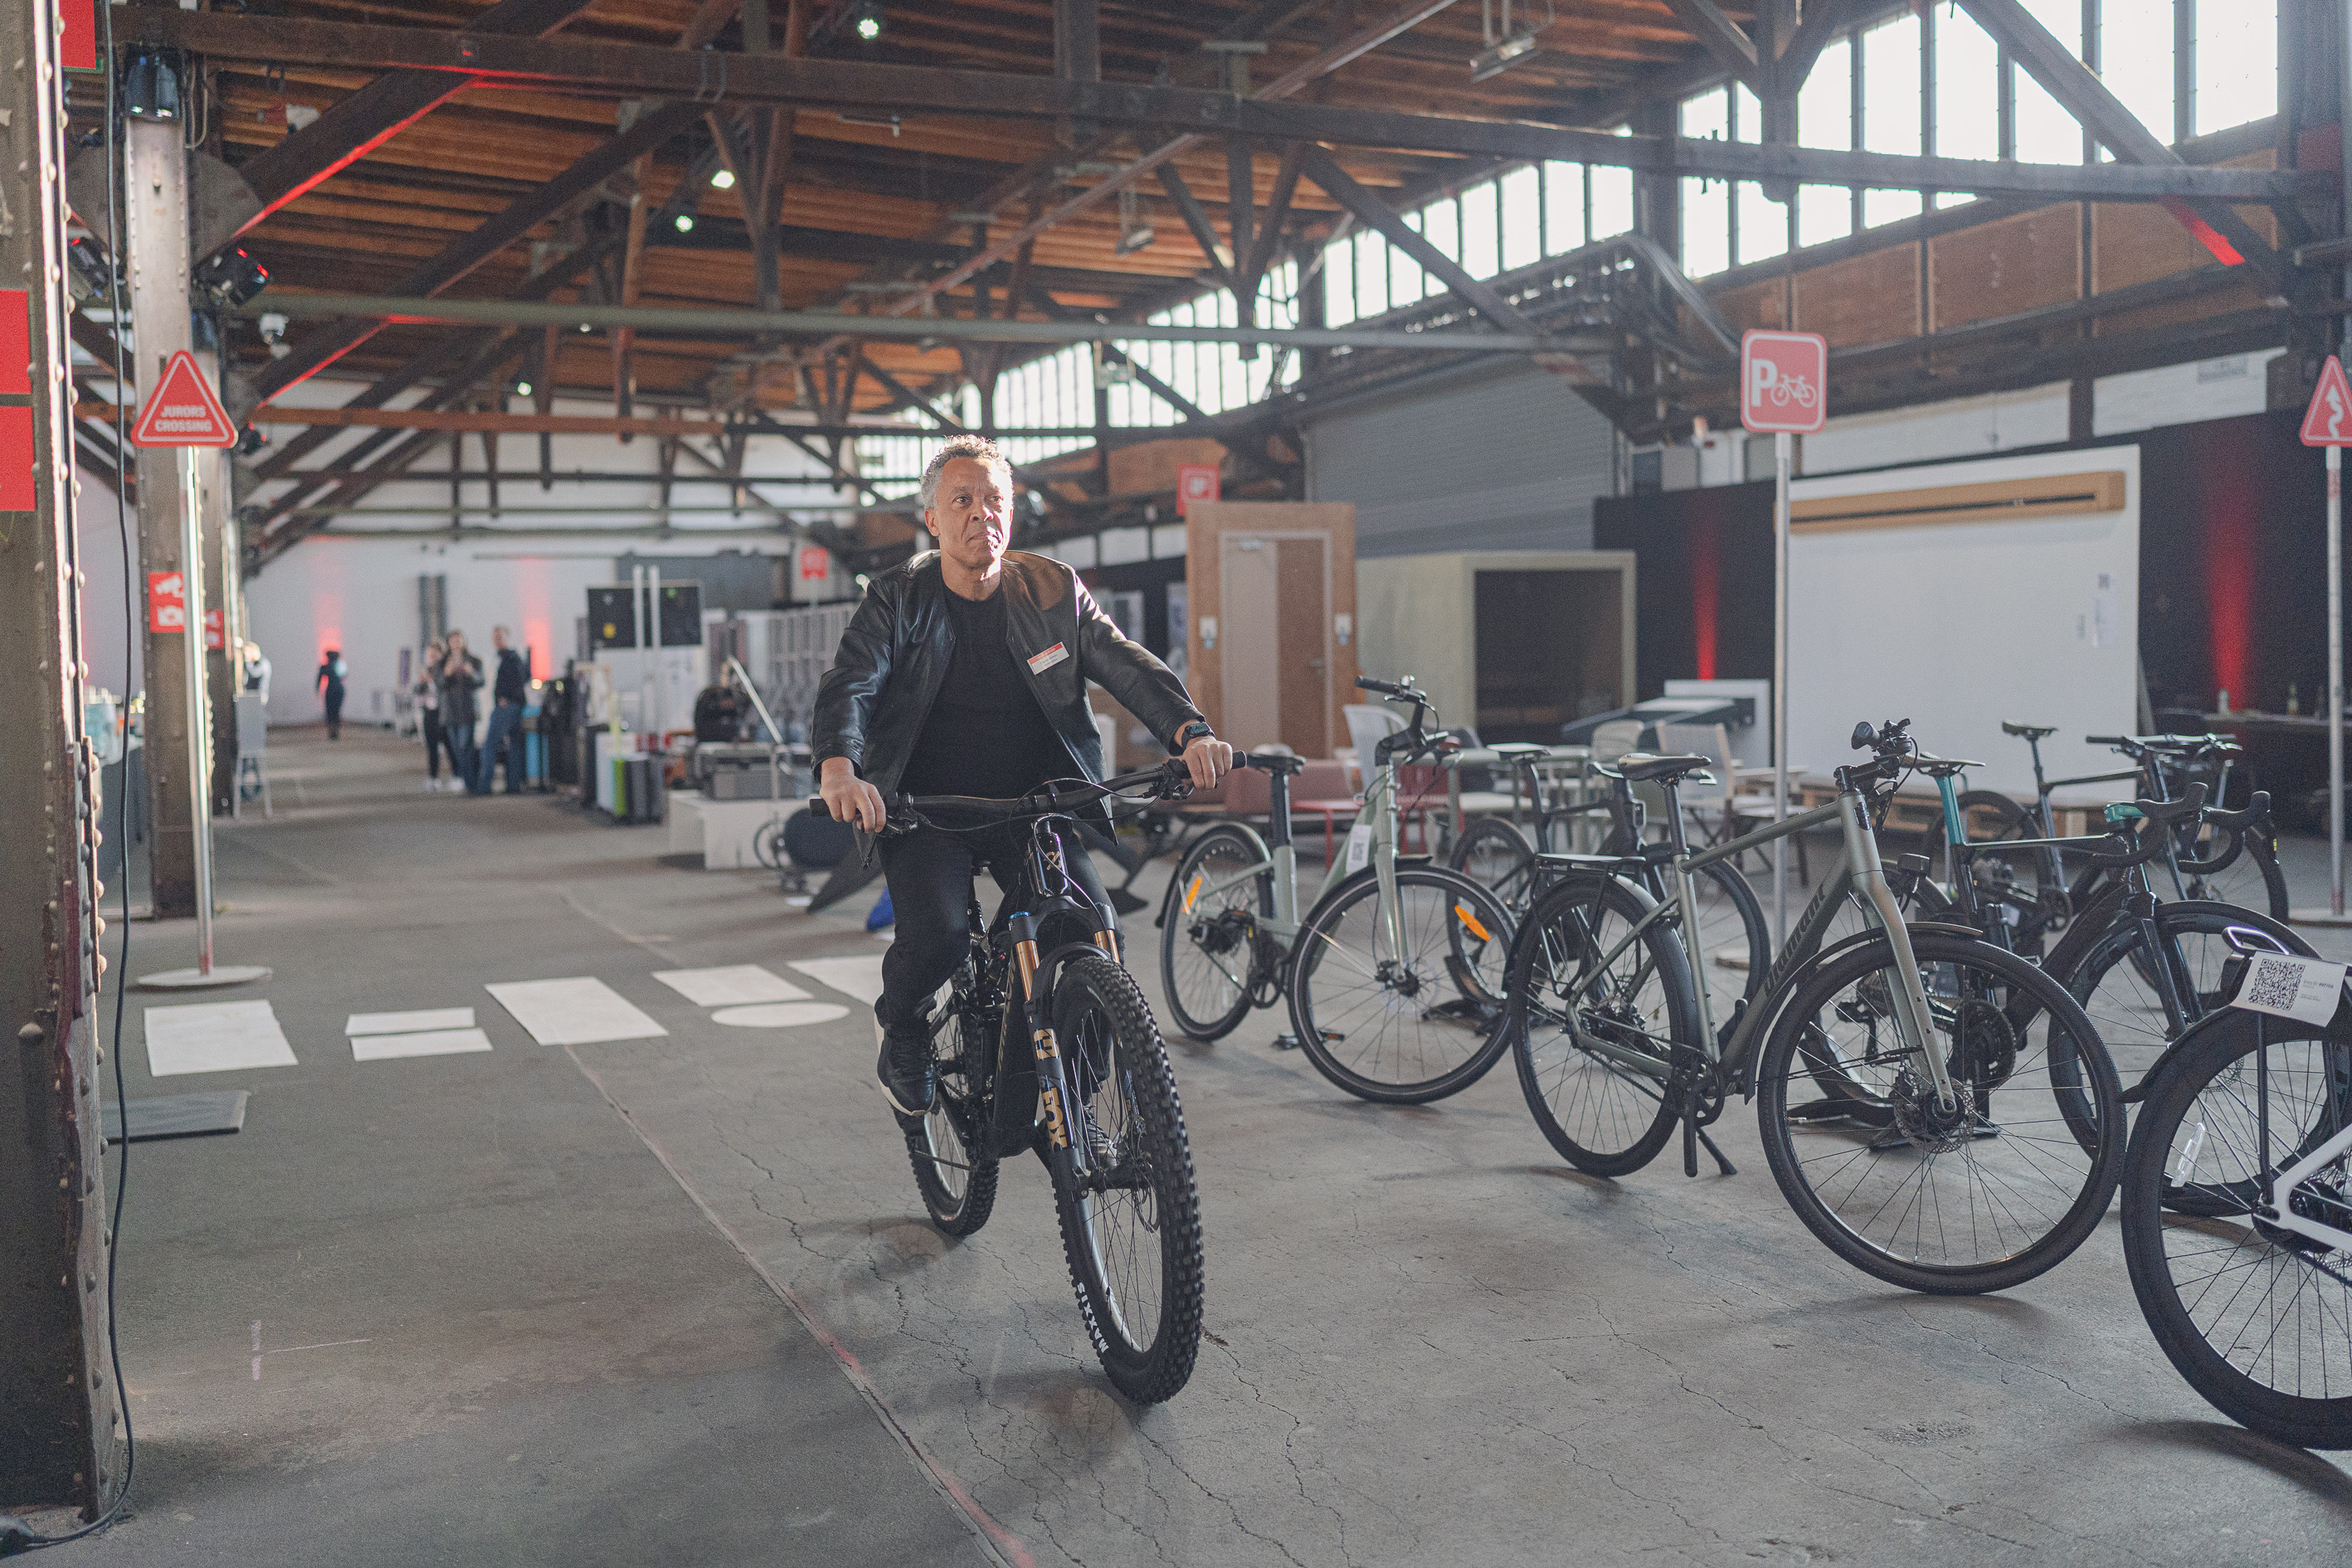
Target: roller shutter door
[{"x": 1509, "y": 461}]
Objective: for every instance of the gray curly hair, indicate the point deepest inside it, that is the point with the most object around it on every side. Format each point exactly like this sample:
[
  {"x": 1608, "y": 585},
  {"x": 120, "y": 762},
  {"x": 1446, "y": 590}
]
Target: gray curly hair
[{"x": 980, "y": 448}]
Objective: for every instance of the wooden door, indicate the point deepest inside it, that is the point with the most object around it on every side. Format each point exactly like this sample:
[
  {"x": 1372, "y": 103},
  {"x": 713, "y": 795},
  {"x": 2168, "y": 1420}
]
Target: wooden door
[{"x": 1276, "y": 655}]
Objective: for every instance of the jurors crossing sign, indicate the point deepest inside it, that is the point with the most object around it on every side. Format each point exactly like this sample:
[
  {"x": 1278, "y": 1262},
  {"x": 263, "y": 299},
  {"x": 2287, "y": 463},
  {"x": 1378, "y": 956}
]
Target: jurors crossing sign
[{"x": 182, "y": 411}]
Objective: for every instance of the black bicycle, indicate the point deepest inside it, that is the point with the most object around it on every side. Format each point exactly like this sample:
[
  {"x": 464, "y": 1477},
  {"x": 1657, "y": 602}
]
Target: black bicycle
[{"x": 1043, "y": 1041}]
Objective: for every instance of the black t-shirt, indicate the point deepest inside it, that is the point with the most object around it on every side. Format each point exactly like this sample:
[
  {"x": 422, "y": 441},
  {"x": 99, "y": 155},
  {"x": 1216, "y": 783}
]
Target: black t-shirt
[{"x": 985, "y": 735}]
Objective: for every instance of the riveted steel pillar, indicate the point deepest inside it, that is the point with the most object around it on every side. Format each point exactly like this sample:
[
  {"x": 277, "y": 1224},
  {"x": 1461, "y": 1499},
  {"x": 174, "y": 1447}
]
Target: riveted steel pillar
[{"x": 59, "y": 1416}]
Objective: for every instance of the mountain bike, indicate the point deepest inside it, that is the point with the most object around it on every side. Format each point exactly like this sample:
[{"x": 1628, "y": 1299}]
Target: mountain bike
[
  {"x": 2237, "y": 1219},
  {"x": 1947, "y": 1152},
  {"x": 2144, "y": 968},
  {"x": 2222, "y": 857},
  {"x": 1041, "y": 1040},
  {"x": 1395, "y": 977}
]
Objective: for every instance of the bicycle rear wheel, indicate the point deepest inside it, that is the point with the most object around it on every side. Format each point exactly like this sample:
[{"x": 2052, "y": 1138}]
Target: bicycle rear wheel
[
  {"x": 1207, "y": 950},
  {"x": 1495, "y": 854},
  {"x": 2252, "y": 879},
  {"x": 1403, "y": 1023},
  {"x": 1591, "y": 1033},
  {"x": 1979, "y": 1196},
  {"x": 2257, "y": 1317},
  {"x": 1131, "y": 1225}
]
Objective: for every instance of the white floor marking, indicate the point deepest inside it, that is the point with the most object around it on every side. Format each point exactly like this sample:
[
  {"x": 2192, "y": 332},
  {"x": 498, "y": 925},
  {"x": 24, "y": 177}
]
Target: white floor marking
[
  {"x": 778, "y": 1014},
  {"x": 409, "y": 1023},
  {"x": 581, "y": 1011},
  {"x": 214, "y": 1037},
  {"x": 731, "y": 986},
  {"x": 859, "y": 975},
  {"x": 423, "y": 1043}
]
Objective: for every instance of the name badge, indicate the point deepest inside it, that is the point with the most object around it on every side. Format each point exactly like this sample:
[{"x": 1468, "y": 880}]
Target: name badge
[{"x": 1048, "y": 660}]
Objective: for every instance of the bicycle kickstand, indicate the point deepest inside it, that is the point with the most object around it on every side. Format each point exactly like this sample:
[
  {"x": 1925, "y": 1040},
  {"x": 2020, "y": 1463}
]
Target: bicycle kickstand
[{"x": 1686, "y": 1071}]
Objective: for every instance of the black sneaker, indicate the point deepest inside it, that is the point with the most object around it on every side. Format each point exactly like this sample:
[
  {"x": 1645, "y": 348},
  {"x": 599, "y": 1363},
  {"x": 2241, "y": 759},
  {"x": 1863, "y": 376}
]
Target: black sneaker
[{"x": 904, "y": 1069}]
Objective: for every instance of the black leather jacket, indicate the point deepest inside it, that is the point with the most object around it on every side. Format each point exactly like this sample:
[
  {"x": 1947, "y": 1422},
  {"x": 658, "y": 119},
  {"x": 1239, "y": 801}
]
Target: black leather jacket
[{"x": 871, "y": 705}]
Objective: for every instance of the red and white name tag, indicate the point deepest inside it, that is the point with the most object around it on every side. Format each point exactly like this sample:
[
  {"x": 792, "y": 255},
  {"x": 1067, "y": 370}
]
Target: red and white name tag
[{"x": 1048, "y": 660}]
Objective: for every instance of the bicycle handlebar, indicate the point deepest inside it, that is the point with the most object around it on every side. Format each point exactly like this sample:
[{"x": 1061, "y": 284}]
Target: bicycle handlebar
[
  {"x": 1389, "y": 687},
  {"x": 1169, "y": 780},
  {"x": 2117, "y": 849}
]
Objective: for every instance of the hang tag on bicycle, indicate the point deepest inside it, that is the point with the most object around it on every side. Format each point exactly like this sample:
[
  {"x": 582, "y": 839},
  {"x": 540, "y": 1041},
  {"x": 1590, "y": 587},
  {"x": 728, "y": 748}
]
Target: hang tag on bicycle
[
  {"x": 2286, "y": 986},
  {"x": 1359, "y": 847}
]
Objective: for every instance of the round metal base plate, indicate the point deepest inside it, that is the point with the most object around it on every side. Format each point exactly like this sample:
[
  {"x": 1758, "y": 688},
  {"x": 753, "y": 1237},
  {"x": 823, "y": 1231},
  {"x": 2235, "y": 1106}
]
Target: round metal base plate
[{"x": 196, "y": 980}]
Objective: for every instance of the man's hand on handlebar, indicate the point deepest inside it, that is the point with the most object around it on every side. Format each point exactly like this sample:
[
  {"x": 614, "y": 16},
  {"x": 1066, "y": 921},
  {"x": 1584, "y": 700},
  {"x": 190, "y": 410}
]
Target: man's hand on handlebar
[
  {"x": 848, "y": 798},
  {"x": 1208, "y": 759}
]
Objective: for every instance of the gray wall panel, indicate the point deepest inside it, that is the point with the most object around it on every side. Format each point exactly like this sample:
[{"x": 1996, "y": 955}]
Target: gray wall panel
[{"x": 1510, "y": 461}]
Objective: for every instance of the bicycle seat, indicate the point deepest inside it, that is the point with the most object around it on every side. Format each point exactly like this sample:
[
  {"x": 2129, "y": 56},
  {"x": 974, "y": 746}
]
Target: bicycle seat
[
  {"x": 1941, "y": 767},
  {"x": 2028, "y": 731},
  {"x": 1518, "y": 750},
  {"x": 1643, "y": 767}
]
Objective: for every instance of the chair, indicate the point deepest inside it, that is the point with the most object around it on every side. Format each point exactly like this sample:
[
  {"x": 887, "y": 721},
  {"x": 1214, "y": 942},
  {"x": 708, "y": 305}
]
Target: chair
[
  {"x": 1370, "y": 724},
  {"x": 1617, "y": 737},
  {"x": 1733, "y": 810}
]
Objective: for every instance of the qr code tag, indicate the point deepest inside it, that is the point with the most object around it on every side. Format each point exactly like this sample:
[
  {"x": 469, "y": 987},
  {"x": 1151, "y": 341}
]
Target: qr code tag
[
  {"x": 2285, "y": 986},
  {"x": 1359, "y": 847}
]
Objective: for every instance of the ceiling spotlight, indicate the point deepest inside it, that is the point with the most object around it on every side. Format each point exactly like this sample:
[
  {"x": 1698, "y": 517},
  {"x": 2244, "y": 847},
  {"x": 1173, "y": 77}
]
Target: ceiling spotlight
[
  {"x": 523, "y": 389},
  {"x": 1507, "y": 40},
  {"x": 685, "y": 223},
  {"x": 723, "y": 181},
  {"x": 865, "y": 19},
  {"x": 586, "y": 328}
]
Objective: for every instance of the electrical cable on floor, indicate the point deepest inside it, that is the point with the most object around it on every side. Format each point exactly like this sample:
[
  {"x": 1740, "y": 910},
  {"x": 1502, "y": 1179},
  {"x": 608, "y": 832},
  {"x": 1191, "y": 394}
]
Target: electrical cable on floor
[{"x": 14, "y": 1537}]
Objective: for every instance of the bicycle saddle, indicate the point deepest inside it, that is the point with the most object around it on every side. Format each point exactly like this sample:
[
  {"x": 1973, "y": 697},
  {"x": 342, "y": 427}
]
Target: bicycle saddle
[
  {"x": 2028, "y": 731},
  {"x": 1940, "y": 767},
  {"x": 1518, "y": 750},
  {"x": 1642, "y": 767}
]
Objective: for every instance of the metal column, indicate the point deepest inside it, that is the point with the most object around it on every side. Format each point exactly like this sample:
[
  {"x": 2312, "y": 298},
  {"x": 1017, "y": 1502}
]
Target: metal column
[
  {"x": 60, "y": 1428},
  {"x": 155, "y": 252}
]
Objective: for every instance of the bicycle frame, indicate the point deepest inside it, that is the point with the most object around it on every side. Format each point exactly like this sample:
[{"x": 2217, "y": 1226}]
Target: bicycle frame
[
  {"x": 1278, "y": 854},
  {"x": 1861, "y": 874}
]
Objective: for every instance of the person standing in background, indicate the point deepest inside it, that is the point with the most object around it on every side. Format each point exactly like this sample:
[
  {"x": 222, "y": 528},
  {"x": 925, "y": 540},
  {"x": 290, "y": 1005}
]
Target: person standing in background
[
  {"x": 429, "y": 711},
  {"x": 460, "y": 675},
  {"x": 507, "y": 689},
  {"x": 257, "y": 671},
  {"x": 332, "y": 670}
]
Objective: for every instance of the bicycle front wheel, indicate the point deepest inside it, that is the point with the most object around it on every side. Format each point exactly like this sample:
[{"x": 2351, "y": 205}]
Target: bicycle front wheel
[
  {"x": 2257, "y": 1317},
  {"x": 1407, "y": 1021},
  {"x": 1592, "y": 1026},
  {"x": 1131, "y": 1222},
  {"x": 1207, "y": 941},
  {"x": 2117, "y": 979},
  {"x": 1979, "y": 1195}
]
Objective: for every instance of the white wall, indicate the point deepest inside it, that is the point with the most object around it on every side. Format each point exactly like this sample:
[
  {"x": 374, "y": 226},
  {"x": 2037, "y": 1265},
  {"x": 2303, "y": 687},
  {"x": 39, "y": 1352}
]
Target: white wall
[
  {"x": 1962, "y": 427},
  {"x": 1958, "y": 627},
  {"x": 2182, "y": 393}
]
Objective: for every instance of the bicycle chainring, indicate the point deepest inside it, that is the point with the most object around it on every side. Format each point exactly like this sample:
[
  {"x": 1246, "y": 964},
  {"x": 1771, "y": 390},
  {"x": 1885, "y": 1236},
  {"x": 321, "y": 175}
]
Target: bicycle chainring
[{"x": 1984, "y": 1047}]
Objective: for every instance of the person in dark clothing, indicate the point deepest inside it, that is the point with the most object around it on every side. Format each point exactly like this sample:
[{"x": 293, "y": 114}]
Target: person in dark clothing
[
  {"x": 332, "y": 670},
  {"x": 460, "y": 676},
  {"x": 927, "y": 695},
  {"x": 429, "y": 711},
  {"x": 508, "y": 689}
]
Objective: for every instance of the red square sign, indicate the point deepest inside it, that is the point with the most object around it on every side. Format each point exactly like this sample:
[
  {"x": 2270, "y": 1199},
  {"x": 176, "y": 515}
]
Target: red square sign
[
  {"x": 816, "y": 564},
  {"x": 1784, "y": 381},
  {"x": 214, "y": 637},
  {"x": 167, "y": 602},
  {"x": 1194, "y": 481}
]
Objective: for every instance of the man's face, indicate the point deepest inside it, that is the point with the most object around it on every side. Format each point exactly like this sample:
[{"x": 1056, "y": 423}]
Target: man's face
[
  {"x": 972, "y": 513},
  {"x": 498, "y": 637}
]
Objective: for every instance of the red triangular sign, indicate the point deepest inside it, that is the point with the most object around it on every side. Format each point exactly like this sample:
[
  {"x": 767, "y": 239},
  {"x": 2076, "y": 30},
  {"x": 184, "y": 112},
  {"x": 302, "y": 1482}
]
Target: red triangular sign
[
  {"x": 2328, "y": 423},
  {"x": 183, "y": 412}
]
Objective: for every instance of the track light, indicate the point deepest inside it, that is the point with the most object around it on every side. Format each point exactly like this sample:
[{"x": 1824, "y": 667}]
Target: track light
[
  {"x": 865, "y": 19},
  {"x": 724, "y": 180},
  {"x": 685, "y": 223},
  {"x": 523, "y": 389}
]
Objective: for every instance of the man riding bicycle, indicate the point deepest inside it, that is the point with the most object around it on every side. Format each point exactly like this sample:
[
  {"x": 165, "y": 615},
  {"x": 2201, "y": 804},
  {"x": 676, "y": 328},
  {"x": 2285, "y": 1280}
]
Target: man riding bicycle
[{"x": 964, "y": 672}]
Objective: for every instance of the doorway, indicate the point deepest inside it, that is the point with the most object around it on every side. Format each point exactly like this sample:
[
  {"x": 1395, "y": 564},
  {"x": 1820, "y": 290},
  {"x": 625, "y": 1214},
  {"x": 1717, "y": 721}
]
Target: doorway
[
  {"x": 1275, "y": 652},
  {"x": 1549, "y": 651}
]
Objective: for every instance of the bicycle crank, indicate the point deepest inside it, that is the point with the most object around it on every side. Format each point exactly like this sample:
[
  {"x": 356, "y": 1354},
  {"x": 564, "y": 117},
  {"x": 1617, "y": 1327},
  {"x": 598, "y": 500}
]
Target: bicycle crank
[{"x": 1697, "y": 1100}]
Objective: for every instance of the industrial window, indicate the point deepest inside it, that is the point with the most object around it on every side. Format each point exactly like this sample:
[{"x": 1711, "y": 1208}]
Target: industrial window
[
  {"x": 1522, "y": 197},
  {"x": 2236, "y": 60}
]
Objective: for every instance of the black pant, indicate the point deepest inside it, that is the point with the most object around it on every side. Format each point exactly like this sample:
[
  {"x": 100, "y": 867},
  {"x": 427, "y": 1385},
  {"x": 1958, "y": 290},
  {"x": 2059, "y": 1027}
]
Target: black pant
[
  {"x": 335, "y": 710},
  {"x": 431, "y": 724},
  {"x": 930, "y": 876}
]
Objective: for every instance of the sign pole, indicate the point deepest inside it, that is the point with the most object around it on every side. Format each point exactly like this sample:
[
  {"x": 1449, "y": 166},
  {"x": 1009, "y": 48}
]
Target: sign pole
[
  {"x": 182, "y": 412},
  {"x": 2336, "y": 682},
  {"x": 1781, "y": 445}
]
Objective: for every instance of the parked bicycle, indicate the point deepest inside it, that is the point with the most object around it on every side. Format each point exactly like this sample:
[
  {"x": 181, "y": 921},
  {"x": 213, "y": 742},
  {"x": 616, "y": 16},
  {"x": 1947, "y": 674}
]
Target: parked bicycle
[
  {"x": 1979, "y": 1175},
  {"x": 1395, "y": 977},
  {"x": 2222, "y": 857},
  {"x": 1041, "y": 1040},
  {"x": 2145, "y": 968},
  {"x": 2237, "y": 1218}
]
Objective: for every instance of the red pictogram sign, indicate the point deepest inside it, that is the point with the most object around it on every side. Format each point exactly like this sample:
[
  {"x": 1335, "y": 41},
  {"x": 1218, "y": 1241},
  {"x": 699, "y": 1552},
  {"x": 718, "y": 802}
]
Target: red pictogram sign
[
  {"x": 182, "y": 411},
  {"x": 1784, "y": 381},
  {"x": 167, "y": 602},
  {"x": 78, "y": 35},
  {"x": 816, "y": 564},
  {"x": 1195, "y": 482},
  {"x": 2328, "y": 421},
  {"x": 215, "y": 638}
]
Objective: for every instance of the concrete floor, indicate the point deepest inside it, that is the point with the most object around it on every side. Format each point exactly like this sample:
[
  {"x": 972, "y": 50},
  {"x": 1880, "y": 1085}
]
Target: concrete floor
[{"x": 672, "y": 1300}]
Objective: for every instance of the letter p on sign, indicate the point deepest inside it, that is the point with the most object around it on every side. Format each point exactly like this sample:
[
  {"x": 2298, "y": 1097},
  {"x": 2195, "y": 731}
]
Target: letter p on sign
[{"x": 1784, "y": 381}]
